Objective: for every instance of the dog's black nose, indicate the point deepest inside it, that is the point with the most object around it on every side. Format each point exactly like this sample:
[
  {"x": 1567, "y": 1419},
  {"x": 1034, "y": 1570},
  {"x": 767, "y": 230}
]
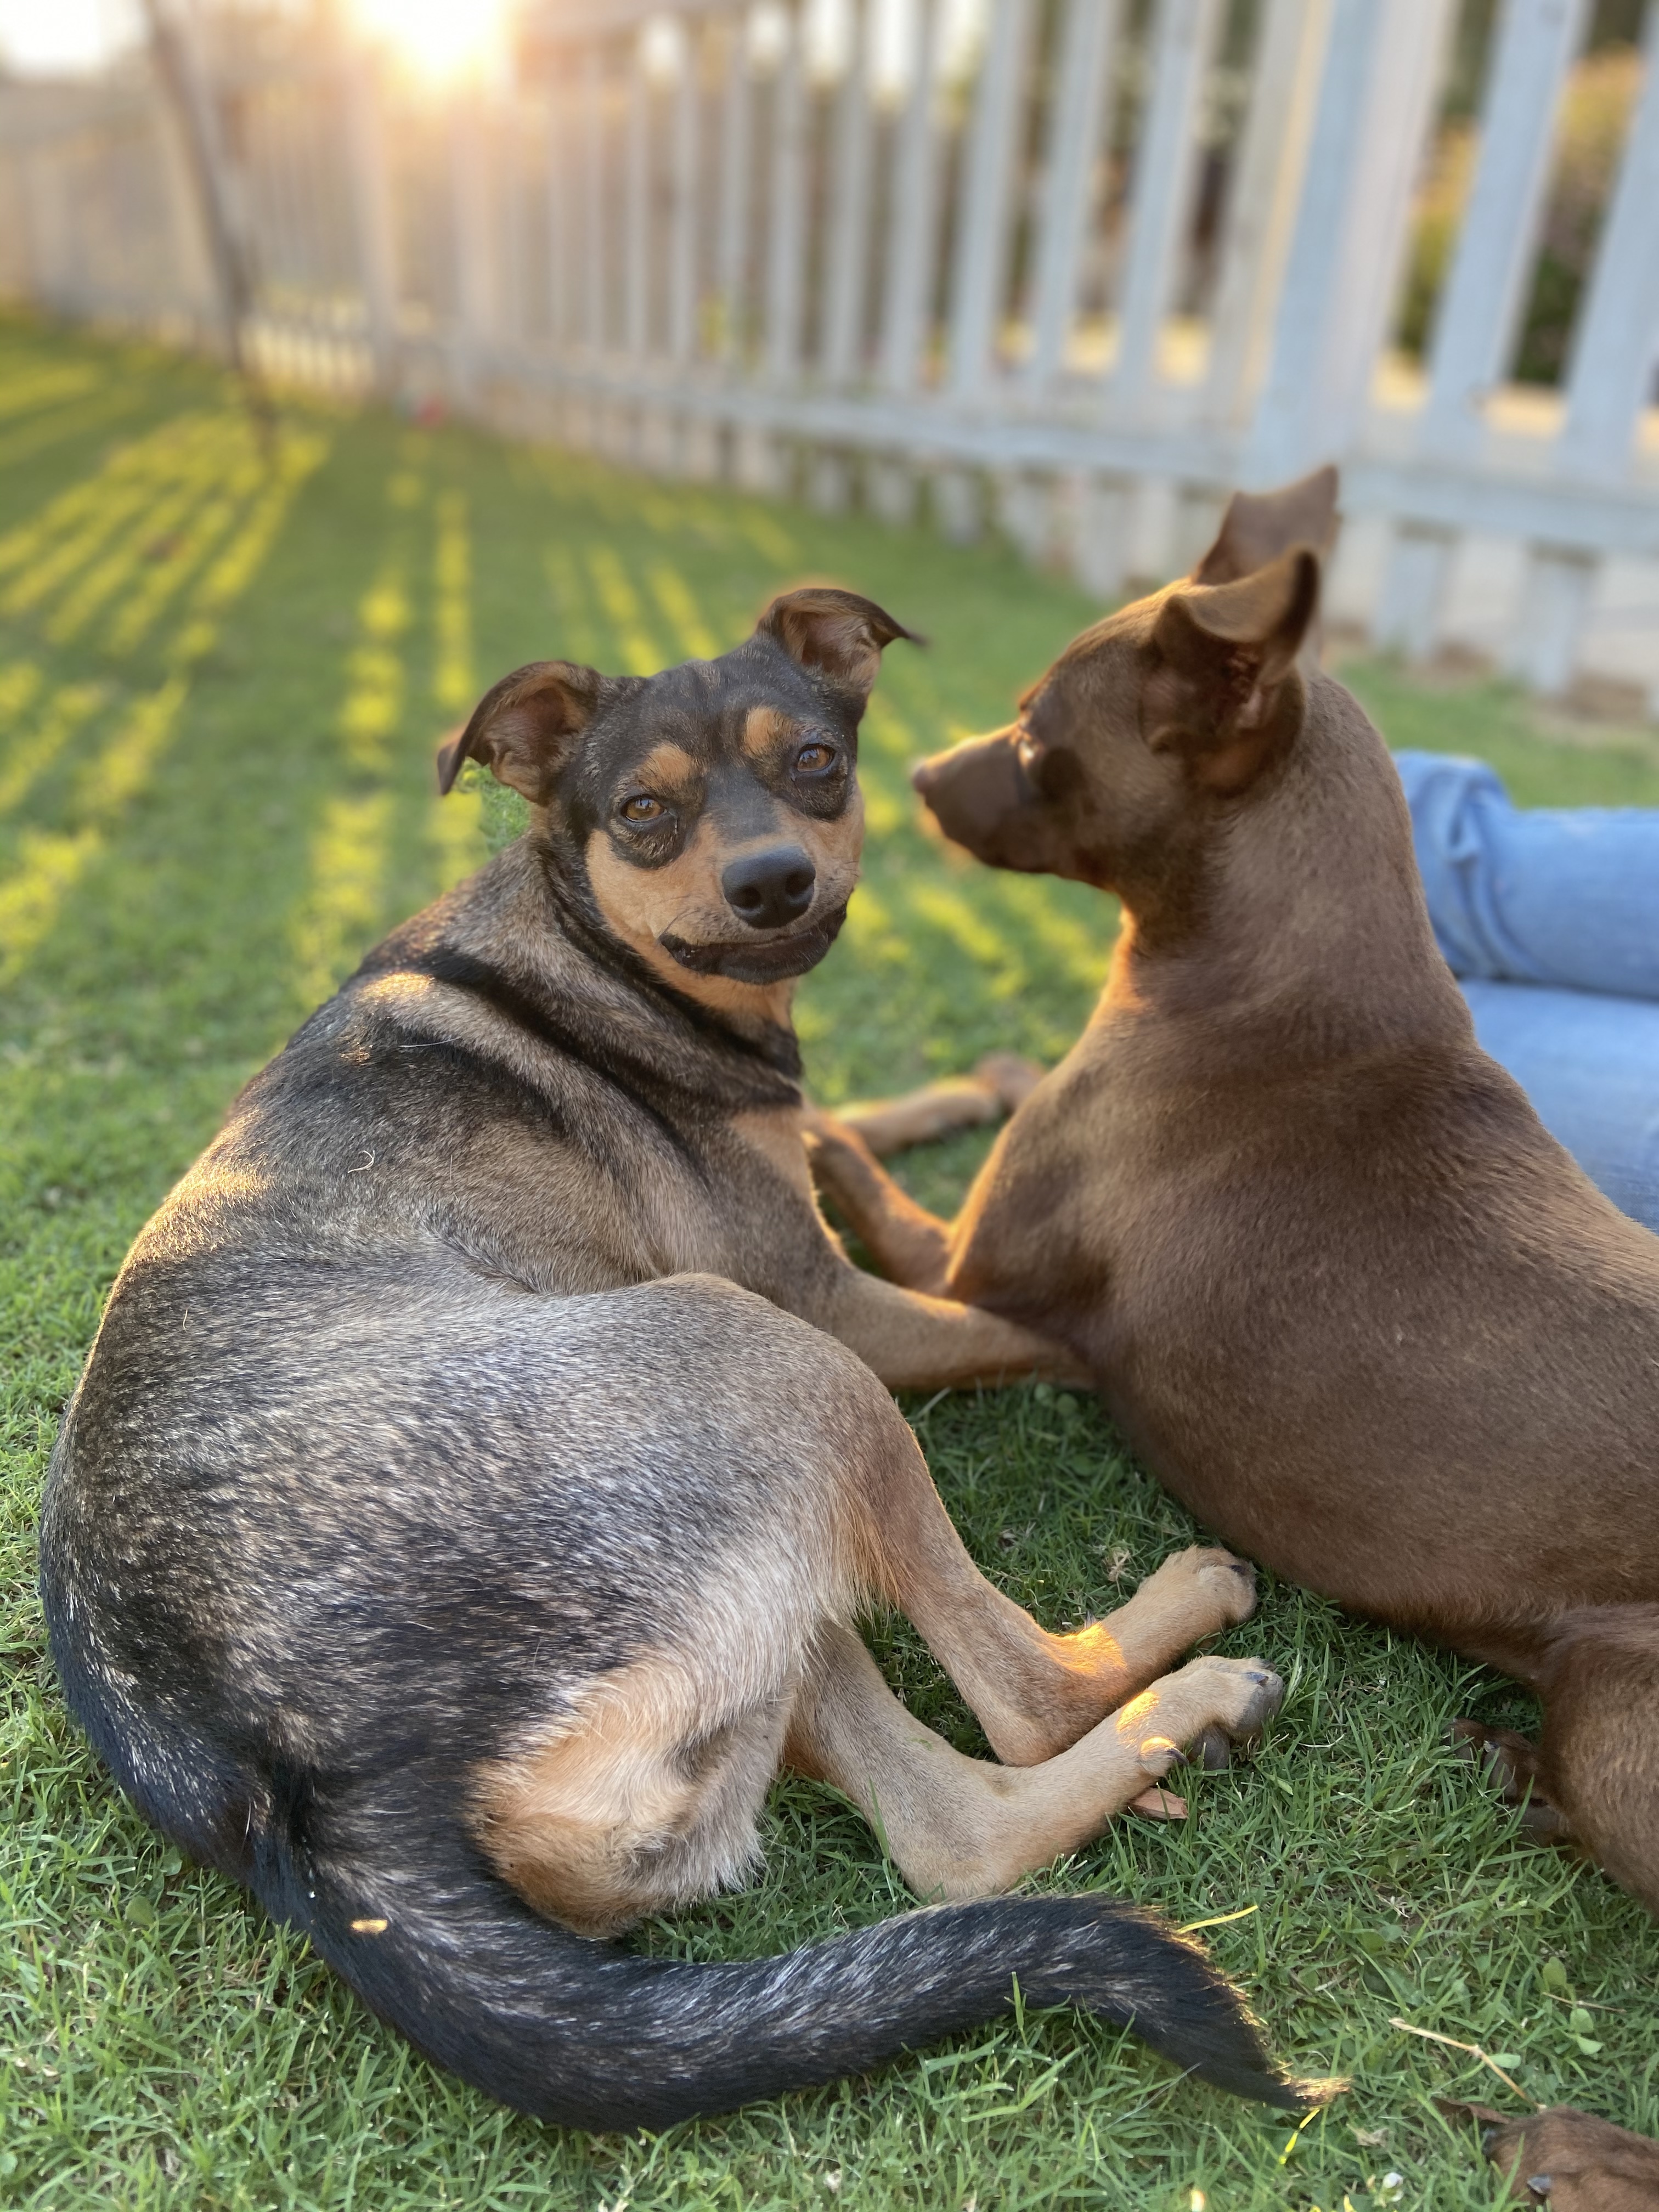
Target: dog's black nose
[{"x": 770, "y": 888}]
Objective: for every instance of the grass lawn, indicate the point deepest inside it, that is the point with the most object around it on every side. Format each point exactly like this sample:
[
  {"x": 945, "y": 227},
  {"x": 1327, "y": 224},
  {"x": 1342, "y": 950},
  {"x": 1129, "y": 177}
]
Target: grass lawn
[{"x": 220, "y": 690}]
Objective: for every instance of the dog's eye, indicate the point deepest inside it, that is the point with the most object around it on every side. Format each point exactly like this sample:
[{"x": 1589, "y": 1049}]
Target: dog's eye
[
  {"x": 641, "y": 808},
  {"x": 814, "y": 759}
]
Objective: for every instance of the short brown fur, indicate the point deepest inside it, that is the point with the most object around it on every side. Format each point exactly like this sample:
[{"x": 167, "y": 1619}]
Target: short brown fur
[{"x": 1352, "y": 1302}]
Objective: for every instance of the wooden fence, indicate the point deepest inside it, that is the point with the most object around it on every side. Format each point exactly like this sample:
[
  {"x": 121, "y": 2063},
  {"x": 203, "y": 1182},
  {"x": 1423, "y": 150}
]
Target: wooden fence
[{"x": 1070, "y": 268}]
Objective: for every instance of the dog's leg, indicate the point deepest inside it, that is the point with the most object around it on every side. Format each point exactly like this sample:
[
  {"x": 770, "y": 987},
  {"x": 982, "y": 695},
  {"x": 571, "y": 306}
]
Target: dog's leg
[
  {"x": 645, "y": 1799},
  {"x": 1001, "y": 1082},
  {"x": 1034, "y": 1692},
  {"x": 957, "y": 1827},
  {"x": 1515, "y": 1767},
  {"x": 1598, "y": 1751},
  {"x": 915, "y": 1342},
  {"x": 911, "y": 1246}
]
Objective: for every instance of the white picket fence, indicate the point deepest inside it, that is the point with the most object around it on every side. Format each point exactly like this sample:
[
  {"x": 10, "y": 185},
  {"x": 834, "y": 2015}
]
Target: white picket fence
[{"x": 942, "y": 258}]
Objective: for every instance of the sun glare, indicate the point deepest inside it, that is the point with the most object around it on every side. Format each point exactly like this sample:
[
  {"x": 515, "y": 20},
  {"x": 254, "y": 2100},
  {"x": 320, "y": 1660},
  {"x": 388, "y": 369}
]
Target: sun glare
[{"x": 439, "y": 37}]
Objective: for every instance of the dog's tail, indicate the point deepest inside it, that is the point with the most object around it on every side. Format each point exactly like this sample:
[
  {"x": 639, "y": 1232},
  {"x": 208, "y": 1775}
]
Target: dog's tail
[{"x": 587, "y": 2035}]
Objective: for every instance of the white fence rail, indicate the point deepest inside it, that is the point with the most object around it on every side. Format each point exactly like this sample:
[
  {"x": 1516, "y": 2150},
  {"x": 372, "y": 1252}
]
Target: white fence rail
[{"x": 1073, "y": 269}]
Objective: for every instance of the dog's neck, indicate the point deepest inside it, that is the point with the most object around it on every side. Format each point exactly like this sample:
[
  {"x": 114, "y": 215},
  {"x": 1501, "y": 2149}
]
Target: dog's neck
[{"x": 1303, "y": 930}]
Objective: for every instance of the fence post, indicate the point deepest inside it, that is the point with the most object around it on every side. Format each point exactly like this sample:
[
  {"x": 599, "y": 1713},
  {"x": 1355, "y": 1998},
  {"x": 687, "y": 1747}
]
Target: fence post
[
  {"x": 849, "y": 231},
  {"x": 1614, "y": 350},
  {"x": 470, "y": 192},
  {"x": 1617, "y": 341},
  {"x": 1166, "y": 167},
  {"x": 636, "y": 207},
  {"x": 1262, "y": 204},
  {"x": 1087, "y": 47},
  {"x": 737, "y": 157},
  {"x": 907, "y": 307},
  {"x": 786, "y": 216},
  {"x": 593, "y": 226},
  {"x": 682, "y": 237},
  {"x": 1475, "y": 327},
  {"x": 371, "y": 204},
  {"x": 1381, "y": 60},
  {"x": 980, "y": 277}
]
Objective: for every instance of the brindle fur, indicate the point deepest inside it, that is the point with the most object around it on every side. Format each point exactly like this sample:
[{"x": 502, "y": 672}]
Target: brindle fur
[
  {"x": 1355, "y": 1306},
  {"x": 467, "y": 1496}
]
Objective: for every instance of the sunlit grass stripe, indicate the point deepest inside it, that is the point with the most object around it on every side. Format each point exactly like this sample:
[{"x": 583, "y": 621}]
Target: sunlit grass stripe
[
  {"x": 454, "y": 684},
  {"x": 151, "y": 537},
  {"x": 638, "y": 647},
  {"x": 693, "y": 636},
  {"x": 575, "y": 632},
  {"x": 77, "y": 525},
  {"x": 52, "y": 862},
  {"x": 29, "y": 758},
  {"x": 341, "y": 912},
  {"x": 20, "y": 683},
  {"x": 166, "y": 576},
  {"x": 48, "y": 385},
  {"x": 71, "y": 421}
]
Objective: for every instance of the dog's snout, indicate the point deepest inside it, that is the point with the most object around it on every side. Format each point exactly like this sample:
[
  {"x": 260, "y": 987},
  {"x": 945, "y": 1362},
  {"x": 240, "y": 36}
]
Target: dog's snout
[
  {"x": 768, "y": 889},
  {"x": 923, "y": 776}
]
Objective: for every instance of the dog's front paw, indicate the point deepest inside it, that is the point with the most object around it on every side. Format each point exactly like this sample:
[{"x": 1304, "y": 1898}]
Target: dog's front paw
[
  {"x": 1238, "y": 1697},
  {"x": 1211, "y": 1589}
]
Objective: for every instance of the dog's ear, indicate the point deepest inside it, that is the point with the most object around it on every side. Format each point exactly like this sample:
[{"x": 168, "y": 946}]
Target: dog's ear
[
  {"x": 1224, "y": 653},
  {"x": 1261, "y": 526},
  {"x": 834, "y": 633},
  {"x": 522, "y": 728}
]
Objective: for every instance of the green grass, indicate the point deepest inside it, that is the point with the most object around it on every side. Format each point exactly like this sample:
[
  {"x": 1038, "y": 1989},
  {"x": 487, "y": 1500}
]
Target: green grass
[{"x": 219, "y": 694}]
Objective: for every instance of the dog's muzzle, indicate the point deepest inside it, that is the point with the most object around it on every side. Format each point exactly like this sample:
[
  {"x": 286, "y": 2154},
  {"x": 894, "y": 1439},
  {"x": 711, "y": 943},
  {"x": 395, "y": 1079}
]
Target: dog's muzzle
[{"x": 760, "y": 960}]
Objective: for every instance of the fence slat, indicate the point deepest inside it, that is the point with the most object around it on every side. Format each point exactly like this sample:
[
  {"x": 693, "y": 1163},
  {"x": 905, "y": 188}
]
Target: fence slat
[
  {"x": 1088, "y": 45},
  {"x": 636, "y": 210},
  {"x": 594, "y": 225},
  {"x": 1261, "y": 205},
  {"x": 1475, "y": 327},
  {"x": 980, "y": 275},
  {"x": 557, "y": 126},
  {"x": 906, "y": 306},
  {"x": 847, "y": 265},
  {"x": 683, "y": 245},
  {"x": 736, "y": 156},
  {"x": 785, "y": 216},
  {"x": 1165, "y": 171},
  {"x": 1617, "y": 343},
  {"x": 1382, "y": 58},
  {"x": 371, "y": 202}
]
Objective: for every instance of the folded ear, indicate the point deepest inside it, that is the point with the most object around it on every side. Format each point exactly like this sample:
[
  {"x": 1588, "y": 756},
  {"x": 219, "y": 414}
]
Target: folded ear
[
  {"x": 835, "y": 634},
  {"x": 1259, "y": 525},
  {"x": 523, "y": 727},
  {"x": 1225, "y": 654}
]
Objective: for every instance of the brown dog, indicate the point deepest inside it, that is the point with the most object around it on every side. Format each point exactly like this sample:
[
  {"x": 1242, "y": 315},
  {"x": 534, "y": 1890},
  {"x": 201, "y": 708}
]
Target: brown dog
[{"x": 1353, "y": 1304}]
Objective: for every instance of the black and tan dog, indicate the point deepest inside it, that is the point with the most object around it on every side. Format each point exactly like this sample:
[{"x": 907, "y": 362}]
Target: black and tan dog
[{"x": 464, "y": 1505}]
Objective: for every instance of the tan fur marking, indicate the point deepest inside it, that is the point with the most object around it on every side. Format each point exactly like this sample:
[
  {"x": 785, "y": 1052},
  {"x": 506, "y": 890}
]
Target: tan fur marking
[
  {"x": 667, "y": 768},
  {"x": 765, "y": 731}
]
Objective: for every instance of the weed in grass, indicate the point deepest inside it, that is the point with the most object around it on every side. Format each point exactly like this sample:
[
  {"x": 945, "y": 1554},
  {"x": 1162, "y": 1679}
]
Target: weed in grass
[{"x": 219, "y": 697}]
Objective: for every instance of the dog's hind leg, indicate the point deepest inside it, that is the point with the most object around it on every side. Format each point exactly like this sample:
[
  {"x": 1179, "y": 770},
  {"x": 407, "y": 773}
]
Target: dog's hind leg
[
  {"x": 645, "y": 1801},
  {"x": 1598, "y": 1751},
  {"x": 959, "y": 1827},
  {"x": 1033, "y": 1692}
]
